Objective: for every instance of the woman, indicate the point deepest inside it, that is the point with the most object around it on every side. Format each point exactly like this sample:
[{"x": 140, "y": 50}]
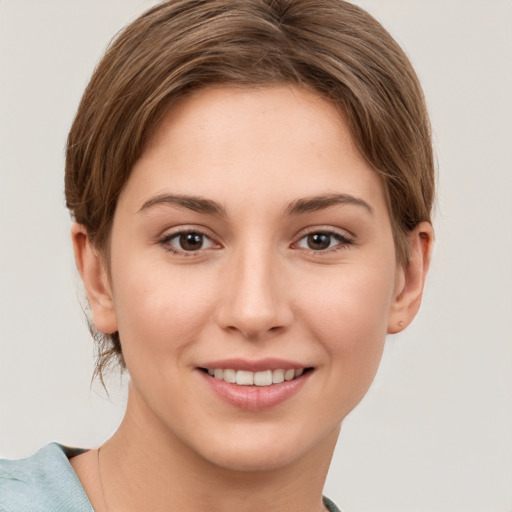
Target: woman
[{"x": 251, "y": 184}]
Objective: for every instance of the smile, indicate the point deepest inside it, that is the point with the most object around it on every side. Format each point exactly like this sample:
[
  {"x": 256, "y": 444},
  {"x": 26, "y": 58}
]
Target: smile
[{"x": 261, "y": 378}]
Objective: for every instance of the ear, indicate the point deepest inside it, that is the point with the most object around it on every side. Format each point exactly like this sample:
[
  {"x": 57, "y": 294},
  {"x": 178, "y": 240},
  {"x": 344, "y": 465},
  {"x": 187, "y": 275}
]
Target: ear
[
  {"x": 94, "y": 274},
  {"x": 411, "y": 279}
]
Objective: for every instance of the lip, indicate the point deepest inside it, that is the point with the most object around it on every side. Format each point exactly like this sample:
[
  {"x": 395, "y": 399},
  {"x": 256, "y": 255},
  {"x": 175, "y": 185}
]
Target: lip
[
  {"x": 259, "y": 365},
  {"x": 255, "y": 398}
]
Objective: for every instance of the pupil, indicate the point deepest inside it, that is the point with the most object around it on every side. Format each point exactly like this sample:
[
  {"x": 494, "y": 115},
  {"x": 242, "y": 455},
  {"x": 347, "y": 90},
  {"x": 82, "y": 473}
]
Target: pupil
[
  {"x": 319, "y": 241},
  {"x": 191, "y": 241}
]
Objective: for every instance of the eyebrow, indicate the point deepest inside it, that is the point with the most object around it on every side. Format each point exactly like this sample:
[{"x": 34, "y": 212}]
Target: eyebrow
[
  {"x": 194, "y": 203},
  {"x": 317, "y": 203},
  {"x": 304, "y": 205}
]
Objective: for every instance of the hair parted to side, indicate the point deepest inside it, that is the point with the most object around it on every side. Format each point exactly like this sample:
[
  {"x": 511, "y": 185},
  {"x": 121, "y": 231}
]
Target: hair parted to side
[{"x": 329, "y": 46}]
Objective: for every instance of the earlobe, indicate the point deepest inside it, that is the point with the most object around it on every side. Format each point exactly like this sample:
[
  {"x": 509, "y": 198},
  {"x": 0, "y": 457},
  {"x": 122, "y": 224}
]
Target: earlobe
[
  {"x": 95, "y": 277},
  {"x": 412, "y": 279}
]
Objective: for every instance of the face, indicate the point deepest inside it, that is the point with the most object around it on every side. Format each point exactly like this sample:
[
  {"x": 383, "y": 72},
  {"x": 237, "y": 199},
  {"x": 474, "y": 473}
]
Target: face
[{"x": 252, "y": 241}]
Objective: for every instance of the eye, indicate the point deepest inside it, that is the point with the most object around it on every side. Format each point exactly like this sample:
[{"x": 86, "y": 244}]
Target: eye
[
  {"x": 323, "y": 241},
  {"x": 187, "y": 241}
]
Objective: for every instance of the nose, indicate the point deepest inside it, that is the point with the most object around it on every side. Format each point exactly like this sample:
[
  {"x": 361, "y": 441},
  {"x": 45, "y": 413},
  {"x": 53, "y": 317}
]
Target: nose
[{"x": 254, "y": 302}]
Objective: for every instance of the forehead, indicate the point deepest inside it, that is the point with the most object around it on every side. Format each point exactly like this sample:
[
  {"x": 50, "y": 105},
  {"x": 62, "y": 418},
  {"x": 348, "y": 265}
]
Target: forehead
[
  {"x": 230, "y": 119},
  {"x": 253, "y": 146}
]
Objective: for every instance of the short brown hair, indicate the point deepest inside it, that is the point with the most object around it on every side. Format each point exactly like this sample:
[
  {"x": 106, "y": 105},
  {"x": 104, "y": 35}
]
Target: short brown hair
[{"x": 329, "y": 46}]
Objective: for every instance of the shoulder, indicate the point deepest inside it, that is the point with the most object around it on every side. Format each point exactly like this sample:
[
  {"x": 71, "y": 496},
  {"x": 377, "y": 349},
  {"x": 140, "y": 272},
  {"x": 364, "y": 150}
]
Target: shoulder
[
  {"x": 42, "y": 482},
  {"x": 330, "y": 505}
]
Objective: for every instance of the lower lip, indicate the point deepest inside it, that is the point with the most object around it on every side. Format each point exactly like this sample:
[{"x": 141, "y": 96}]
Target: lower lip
[{"x": 256, "y": 398}]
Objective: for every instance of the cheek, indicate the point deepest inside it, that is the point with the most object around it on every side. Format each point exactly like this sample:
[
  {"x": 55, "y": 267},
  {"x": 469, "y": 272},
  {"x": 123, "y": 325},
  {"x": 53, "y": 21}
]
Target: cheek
[
  {"x": 160, "y": 310},
  {"x": 348, "y": 316}
]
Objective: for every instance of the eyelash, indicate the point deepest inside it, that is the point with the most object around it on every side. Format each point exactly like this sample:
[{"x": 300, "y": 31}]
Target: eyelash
[
  {"x": 343, "y": 241},
  {"x": 165, "y": 241}
]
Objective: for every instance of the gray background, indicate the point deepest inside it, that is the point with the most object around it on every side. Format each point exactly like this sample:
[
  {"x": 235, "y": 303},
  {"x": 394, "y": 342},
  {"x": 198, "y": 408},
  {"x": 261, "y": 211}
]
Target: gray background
[{"x": 435, "y": 432}]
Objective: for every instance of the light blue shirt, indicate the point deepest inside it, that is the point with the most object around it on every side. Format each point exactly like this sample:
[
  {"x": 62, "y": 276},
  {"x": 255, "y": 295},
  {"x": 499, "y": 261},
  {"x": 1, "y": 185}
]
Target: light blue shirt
[
  {"x": 42, "y": 482},
  {"x": 46, "y": 482}
]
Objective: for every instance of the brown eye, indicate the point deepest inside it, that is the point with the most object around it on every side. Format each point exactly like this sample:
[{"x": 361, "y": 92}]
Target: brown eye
[
  {"x": 191, "y": 241},
  {"x": 319, "y": 241},
  {"x": 323, "y": 241},
  {"x": 187, "y": 241}
]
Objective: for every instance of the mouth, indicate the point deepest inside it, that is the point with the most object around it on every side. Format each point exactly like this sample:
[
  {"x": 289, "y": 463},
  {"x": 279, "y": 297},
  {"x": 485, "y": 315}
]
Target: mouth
[
  {"x": 259, "y": 378},
  {"x": 256, "y": 385}
]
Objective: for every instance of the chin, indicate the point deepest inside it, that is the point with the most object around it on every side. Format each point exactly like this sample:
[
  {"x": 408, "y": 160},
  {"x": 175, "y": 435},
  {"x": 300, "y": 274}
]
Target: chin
[
  {"x": 252, "y": 459},
  {"x": 266, "y": 451}
]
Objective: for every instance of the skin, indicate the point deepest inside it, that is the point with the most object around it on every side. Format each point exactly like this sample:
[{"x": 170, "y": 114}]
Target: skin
[{"x": 254, "y": 289}]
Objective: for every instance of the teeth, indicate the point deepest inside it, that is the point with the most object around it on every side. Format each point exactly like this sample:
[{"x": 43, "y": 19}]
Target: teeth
[
  {"x": 230, "y": 376},
  {"x": 263, "y": 378},
  {"x": 289, "y": 374},
  {"x": 246, "y": 378},
  {"x": 278, "y": 376}
]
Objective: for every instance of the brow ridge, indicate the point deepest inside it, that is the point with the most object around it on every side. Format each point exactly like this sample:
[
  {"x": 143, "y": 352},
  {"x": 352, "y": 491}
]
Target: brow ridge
[
  {"x": 194, "y": 203},
  {"x": 321, "y": 202},
  {"x": 302, "y": 205}
]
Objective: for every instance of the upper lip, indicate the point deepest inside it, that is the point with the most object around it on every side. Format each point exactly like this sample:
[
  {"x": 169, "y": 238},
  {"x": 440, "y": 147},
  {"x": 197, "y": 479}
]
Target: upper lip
[{"x": 258, "y": 365}]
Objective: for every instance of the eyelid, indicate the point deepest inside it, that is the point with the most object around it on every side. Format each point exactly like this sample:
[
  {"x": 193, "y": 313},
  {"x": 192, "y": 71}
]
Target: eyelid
[
  {"x": 346, "y": 239},
  {"x": 168, "y": 235}
]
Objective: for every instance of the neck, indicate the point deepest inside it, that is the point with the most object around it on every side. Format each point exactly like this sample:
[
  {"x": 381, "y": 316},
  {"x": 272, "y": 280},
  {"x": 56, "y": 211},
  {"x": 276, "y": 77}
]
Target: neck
[{"x": 143, "y": 463}]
